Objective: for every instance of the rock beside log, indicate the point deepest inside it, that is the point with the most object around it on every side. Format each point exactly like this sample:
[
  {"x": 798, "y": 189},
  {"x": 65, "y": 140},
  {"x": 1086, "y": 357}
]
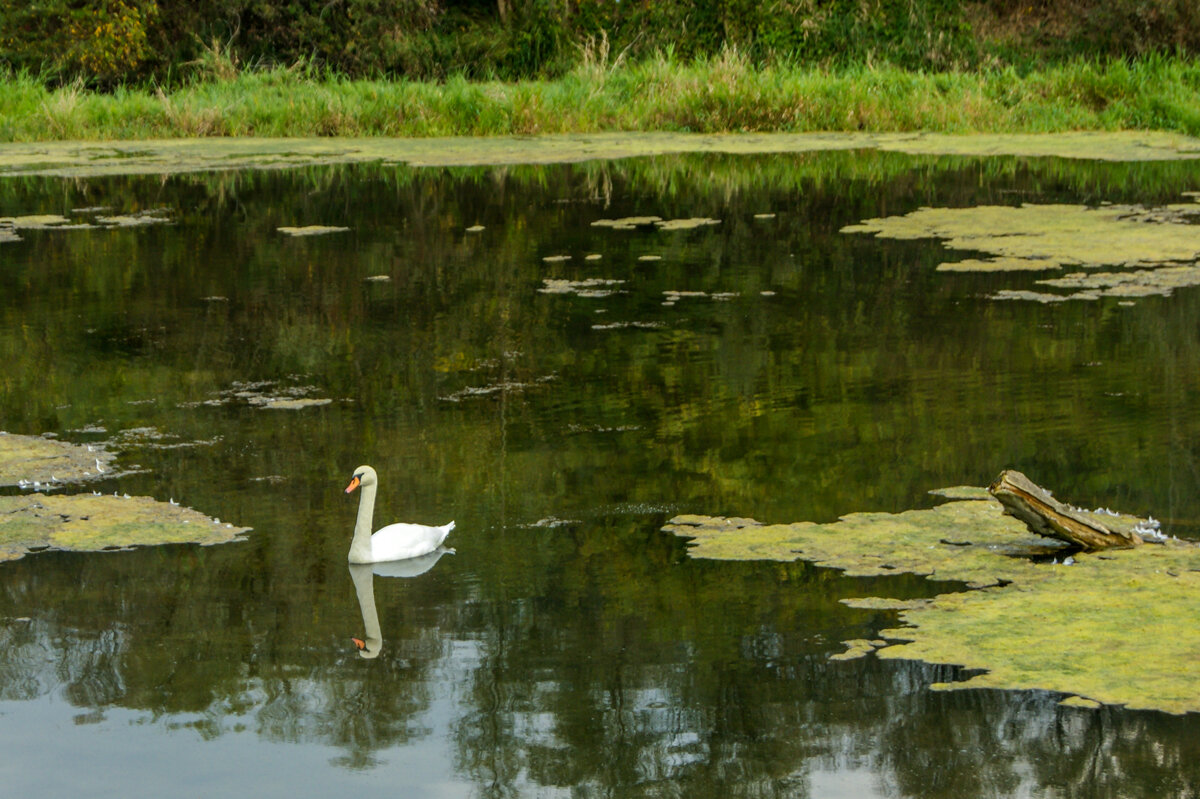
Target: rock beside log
[{"x": 1045, "y": 515}]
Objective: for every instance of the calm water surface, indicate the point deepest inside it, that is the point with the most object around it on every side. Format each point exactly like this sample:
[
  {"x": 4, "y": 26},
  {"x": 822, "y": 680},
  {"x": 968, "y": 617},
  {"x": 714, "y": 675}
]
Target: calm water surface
[{"x": 568, "y": 647}]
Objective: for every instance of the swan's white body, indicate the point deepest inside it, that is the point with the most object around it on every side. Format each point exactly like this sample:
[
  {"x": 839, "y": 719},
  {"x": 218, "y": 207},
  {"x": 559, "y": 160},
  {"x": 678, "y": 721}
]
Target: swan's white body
[{"x": 394, "y": 542}]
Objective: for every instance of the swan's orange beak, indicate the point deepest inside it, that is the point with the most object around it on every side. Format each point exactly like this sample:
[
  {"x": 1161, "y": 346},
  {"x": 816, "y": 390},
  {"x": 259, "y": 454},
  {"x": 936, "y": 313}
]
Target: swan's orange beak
[
  {"x": 353, "y": 485},
  {"x": 360, "y": 643}
]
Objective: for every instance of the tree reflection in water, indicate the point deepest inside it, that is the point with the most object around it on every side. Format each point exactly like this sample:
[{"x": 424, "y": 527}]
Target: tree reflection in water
[{"x": 569, "y": 646}]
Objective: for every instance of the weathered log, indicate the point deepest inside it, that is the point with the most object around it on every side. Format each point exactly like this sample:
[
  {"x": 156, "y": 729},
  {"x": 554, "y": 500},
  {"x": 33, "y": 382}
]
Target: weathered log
[{"x": 1045, "y": 515}]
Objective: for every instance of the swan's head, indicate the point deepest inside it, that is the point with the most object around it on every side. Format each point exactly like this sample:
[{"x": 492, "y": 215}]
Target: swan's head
[
  {"x": 369, "y": 648},
  {"x": 363, "y": 476}
]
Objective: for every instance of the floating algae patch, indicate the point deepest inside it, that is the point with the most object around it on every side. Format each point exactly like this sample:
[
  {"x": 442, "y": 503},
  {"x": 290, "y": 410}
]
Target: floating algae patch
[
  {"x": 590, "y": 287},
  {"x": 1097, "y": 146},
  {"x": 311, "y": 230},
  {"x": 1140, "y": 283},
  {"x": 857, "y": 648},
  {"x": 88, "y": 523},
  {"x": 277, "y": 403},
  {"x": 1162, "y": 244},
  {"x": 33, "y": 461},
  {"x": 264, "y": 394},
  {"x": 999, "y": 264},
  {"x": 9, "y": 225},
  {"x": 627, "y": 222},
  {"x": 969, "y": 541},
  {"x": 1114, "y": 628},
  {"x": 35, "y": 221},
  {"x": 686, "y": 224},
  {"x": 1117, "y": 630},
  {"x": 140, "y": 219},
  {"x": 169, "y": 156},
  {"x": 657, "y": 222}
]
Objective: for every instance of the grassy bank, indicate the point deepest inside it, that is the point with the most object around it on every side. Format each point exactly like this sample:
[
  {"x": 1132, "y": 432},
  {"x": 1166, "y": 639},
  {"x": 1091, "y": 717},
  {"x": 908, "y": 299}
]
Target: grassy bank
[{"x": 724, "y": 94}]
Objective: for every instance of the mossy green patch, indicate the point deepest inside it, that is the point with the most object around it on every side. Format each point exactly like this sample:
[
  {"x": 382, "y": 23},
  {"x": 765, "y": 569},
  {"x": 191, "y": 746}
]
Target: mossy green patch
[
  {"x": 25, "y": 460},
  {"x": 163, "y": 156},
  {"x": 88, "y": 522},
  {"x": 1114, "y": 627},
  {"x": 1162, "y": 243}
]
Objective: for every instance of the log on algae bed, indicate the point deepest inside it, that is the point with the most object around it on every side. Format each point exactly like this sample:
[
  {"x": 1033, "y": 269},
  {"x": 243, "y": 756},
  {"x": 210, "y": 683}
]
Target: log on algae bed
[{"x": 1113, "y": 628}]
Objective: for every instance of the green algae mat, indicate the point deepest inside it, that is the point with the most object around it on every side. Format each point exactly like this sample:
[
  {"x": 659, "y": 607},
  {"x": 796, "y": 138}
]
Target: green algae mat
[
  {"x": 163, "y": 156},
  {"x": 85, "y": 522},
  {"x": 1113, "y": 627},
  {"x": 34, "y": 461},
  {"x": 1155, "y": 249}
]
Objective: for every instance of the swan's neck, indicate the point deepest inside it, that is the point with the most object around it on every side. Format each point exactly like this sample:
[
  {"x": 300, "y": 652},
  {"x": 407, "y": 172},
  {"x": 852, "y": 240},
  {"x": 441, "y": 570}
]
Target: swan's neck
[
  {"x": 364, "y": 586},
  {"x": 360, "y": 547}
]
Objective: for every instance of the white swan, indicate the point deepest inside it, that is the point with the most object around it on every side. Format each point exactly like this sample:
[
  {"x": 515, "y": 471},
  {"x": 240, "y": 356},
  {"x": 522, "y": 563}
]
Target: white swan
[{"x": 394, "y": 542}]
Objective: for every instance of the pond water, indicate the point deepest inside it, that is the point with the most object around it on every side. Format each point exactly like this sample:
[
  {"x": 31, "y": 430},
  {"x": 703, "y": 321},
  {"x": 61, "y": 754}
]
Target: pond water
[{"x": 560, "y": 410}]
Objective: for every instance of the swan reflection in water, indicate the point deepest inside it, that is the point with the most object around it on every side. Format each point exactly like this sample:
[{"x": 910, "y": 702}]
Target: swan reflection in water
[{"x": 364, "y": 585}]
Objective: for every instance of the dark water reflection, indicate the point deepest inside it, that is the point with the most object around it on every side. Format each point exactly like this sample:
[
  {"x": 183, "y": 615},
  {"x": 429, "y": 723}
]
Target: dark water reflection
[{"x": 568, "y": 647}]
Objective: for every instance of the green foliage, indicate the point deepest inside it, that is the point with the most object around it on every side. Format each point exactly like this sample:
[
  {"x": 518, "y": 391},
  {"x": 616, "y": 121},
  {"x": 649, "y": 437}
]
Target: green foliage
[
  {"x": 103, "y": 40},
  {"x": 114, "y": 41}
]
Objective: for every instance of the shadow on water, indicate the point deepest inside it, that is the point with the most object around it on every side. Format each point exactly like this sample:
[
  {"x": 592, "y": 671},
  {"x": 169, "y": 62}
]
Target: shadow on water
[{"x": 569, "y": 647}]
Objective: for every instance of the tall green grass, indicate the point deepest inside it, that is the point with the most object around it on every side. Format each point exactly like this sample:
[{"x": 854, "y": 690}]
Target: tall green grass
[{"x": 720, "y": 94}]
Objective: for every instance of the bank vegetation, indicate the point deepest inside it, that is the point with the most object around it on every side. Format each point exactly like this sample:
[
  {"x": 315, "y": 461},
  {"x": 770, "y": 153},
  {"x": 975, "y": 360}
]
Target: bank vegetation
[{"x": 93, "y": 69}]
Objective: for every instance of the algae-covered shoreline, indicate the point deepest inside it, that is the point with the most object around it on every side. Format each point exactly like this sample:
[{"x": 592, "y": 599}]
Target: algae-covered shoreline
[{"x": 171, "y": 156}]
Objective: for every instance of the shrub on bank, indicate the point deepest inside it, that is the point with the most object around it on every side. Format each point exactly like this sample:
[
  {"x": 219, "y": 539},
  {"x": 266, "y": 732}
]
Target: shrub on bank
[{"x": 109, "y": 42}]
